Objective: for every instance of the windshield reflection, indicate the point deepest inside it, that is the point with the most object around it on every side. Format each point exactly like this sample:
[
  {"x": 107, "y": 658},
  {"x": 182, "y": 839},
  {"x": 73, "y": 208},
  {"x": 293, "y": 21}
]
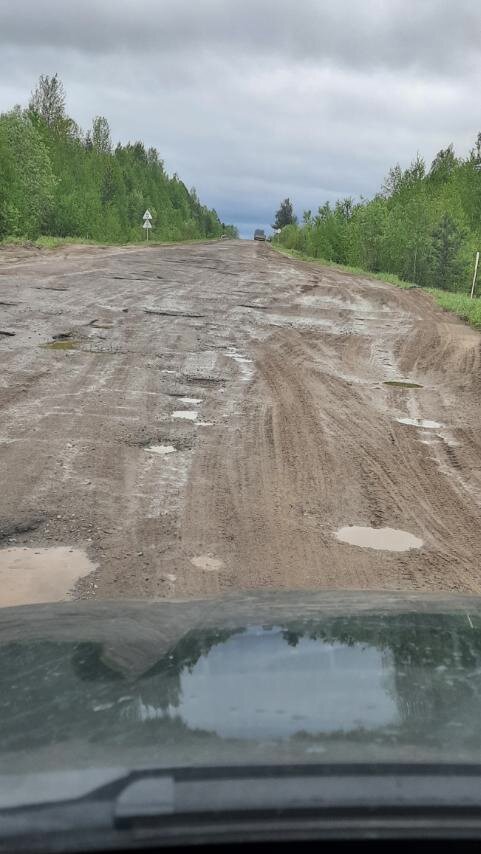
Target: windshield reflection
[
  {"x": 411, "y": 679},
  {"x": 257, "y": 685}
]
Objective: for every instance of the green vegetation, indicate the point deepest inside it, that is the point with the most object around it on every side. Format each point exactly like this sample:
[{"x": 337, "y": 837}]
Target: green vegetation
[
  {"x": 461, "y": 304},
  {"x": 423, "y": 227},
  {"x": 285, "y": 215},
  {"x": 57, "y": 182},
  {"x": 422, "y": 230}
]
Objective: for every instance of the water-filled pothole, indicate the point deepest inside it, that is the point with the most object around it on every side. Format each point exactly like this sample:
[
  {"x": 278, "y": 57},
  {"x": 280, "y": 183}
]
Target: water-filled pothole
[
  {"x": 401, "y": 384},
  {"x": 383, "y": 539},
  {"x": 162, "y": 450},
  {"x": 186, "y": 414},
  {"x": 30, "y": 576},
  {"x": 421, "y": 422},
  {"x": 68, "y": 344}
]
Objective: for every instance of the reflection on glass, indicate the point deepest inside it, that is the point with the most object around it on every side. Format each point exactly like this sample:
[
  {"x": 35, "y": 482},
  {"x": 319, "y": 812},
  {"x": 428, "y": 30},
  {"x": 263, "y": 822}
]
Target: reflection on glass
[
  {"x": 395, "y": 685},
  {"x": 256, "y": 685}
]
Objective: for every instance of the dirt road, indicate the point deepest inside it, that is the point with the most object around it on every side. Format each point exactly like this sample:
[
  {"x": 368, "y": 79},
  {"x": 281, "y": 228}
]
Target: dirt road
[{"x": 214, "y": 413}]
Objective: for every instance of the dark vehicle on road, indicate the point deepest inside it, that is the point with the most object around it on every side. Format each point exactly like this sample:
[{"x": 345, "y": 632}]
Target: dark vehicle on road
[
  {"x": 259, "y": 234},
  {"x": 267, "y": 716}
]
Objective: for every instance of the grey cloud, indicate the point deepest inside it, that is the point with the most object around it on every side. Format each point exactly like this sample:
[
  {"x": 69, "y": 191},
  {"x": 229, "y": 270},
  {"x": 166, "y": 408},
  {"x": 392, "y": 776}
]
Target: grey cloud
[
  {"x": 433, "y": 34},
  {"x": 252, "y": 101}
]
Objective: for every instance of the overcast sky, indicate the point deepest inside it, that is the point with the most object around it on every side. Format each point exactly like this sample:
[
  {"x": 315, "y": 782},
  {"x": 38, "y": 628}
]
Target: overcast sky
[{"x": 254, "y": 100}]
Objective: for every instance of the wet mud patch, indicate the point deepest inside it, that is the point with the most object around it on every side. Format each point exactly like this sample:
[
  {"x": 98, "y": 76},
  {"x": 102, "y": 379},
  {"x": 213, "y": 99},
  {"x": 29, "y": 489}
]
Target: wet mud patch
[
  {"x": 101, "y": 324},
  {"x": 207, "y": 563},
  {"x": 68, "y": 344},
  {"x": 167, "y": 313},
  {"x": 185, "y": 414},
  {"x": 10, "y": 528},
  {"x": 32, "y": 576},
  {"x": 421, "y": 422},
  {"x": 381, "y": 539},
  {"x": 161, "y": 450},
  {"x": 401, "y": 384}
]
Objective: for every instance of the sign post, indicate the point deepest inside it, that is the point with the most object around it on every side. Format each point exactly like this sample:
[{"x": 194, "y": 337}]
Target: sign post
[
  {"x": 147, "y": 223},
  {"x": 475, "y": 274}
]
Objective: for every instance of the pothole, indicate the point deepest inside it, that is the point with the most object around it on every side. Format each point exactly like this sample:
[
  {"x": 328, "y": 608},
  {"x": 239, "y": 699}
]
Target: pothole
[
  {"x": 185, "y": 414},
  {"x": 161, "y": 450},
  {"x": 61, "y": 345},
  {"x": 31, "y": 576},
  {"x": 101, "y": 324},
  {"x": 401, "y": 384},
  {"x": 383, "y": 539},
  {"x": 421, "y": 422},
  {"x": 207, "y": 562},
  {"x": 193, "y": 400}
]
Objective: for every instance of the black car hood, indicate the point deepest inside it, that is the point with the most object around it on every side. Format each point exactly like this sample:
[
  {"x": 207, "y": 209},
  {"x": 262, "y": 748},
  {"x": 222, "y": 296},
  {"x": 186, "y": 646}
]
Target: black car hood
[{"x": 254, "y": 678}]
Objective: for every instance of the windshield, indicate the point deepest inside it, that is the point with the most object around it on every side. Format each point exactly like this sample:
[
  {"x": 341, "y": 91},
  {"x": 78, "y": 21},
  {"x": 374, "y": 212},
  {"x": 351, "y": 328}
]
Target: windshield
[{"x": 240, "y": 455}]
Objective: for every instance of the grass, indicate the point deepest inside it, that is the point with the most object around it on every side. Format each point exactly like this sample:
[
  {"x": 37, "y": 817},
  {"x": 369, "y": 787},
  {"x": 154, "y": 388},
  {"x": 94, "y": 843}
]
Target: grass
[
  {"x": 47, "y": 242},
  {"x": 458, "y": 303},
  {"x": 461, "y": 304}
]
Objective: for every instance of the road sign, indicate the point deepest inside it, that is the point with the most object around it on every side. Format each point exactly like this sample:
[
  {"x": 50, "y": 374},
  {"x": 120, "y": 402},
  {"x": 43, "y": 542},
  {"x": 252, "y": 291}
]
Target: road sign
[
  {"x": 147, "y": 215},
  {"x": 147, "y": 224}
]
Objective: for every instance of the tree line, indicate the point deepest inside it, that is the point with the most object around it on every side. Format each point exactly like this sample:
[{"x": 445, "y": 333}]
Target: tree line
[
  {"x": 423, "y": 226},
  {"x": 57, "y": 180}
]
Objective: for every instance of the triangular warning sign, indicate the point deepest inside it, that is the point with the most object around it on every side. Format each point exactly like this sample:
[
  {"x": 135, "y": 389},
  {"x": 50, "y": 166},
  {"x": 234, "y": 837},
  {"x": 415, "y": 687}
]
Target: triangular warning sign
[{"x": 147, "y": 214}]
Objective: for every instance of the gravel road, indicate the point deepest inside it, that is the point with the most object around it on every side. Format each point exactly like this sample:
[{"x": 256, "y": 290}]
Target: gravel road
[{"x": 210, "y": 415}]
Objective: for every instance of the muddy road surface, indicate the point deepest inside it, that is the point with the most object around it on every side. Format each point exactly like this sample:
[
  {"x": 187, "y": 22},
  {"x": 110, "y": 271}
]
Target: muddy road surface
[{"x": 211, "y": 417}]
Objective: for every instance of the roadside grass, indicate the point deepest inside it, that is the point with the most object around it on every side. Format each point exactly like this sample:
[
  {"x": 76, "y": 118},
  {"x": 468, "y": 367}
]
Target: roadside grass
[
  {"x": 48, "y": 242},
  {"x": 45, "y": 242},
  {"x": 458, "y": 303},
  {"x": 461, "y": 304}
]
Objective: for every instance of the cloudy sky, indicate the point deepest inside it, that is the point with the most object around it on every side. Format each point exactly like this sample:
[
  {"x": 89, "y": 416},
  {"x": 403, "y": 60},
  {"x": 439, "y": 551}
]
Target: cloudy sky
[{"x": 254, "y": 100}]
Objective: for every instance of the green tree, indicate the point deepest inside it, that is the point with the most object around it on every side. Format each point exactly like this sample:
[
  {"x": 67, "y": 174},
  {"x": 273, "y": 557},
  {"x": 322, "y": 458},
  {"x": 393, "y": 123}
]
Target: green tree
[
  {"x": 100, "y": 135},
  {"x": 27, "y": 182},
  {"x": 48, "y": 100},
  {"x": 446, "y": 264},
  {"x": 285, "y": 215}
]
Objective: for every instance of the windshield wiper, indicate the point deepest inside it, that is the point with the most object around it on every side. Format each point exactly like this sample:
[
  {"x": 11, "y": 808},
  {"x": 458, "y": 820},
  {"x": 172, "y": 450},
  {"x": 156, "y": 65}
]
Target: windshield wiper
[{"x": 167, "y": 803}]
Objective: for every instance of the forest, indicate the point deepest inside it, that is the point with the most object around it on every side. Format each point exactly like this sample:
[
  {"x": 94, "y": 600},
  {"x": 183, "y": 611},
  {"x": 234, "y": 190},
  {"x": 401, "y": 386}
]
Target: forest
[
  {"x": 424, "y": 226},
  {"x": 58, "y": 180}
]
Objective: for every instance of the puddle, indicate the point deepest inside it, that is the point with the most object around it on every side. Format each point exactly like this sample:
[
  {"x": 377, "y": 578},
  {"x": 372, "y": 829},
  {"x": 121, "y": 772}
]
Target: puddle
[
  {"x": 61, "y": 345},
  {"x": 31, "y": 576},
  {"x": 186, "y": 414},
  {"x": 210, "y": 564},
  {"x": 421, "y": 422},
  {"x": 193, "y": 400},
  {"x": 162, "y": 450},
  {"x": 244, "y": 363},
  {"x": 401, "y": 384},
  {"x": 384, "y": 539}
]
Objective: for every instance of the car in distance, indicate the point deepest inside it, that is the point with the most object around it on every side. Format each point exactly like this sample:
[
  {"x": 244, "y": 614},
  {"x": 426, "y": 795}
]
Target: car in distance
[{"x": 259, "y": 234}]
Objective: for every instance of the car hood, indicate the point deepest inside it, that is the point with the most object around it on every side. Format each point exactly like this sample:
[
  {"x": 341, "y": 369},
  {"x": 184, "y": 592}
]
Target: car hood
[{"x": 255, "y": 678}]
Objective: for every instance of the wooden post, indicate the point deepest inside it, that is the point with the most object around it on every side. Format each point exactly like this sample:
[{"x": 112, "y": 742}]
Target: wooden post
[{"x": 475, "y": 274}]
